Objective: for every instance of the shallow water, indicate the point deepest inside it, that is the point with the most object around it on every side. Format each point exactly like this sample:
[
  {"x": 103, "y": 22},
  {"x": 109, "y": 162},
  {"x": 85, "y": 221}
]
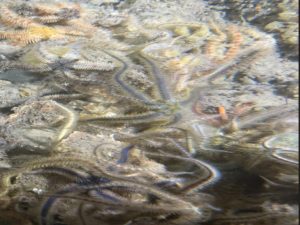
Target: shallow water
[{"x": 148, "y": 112}]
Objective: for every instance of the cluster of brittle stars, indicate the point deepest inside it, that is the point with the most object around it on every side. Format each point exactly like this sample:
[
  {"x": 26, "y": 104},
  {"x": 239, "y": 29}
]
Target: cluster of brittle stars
[{"x": 159, "y": 119}]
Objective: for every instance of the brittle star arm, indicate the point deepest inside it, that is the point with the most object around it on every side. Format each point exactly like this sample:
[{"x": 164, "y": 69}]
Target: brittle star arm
[
  {"x": 132, "y": 119},
  {"x": 126, "y": 88},
  {"x": 159, "y": 79}
]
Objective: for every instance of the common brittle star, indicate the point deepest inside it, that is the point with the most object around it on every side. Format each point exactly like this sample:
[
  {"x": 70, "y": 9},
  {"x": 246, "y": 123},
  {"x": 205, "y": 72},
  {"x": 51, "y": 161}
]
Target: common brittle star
[
  {"x": 35, "y": 29},
  {"x": 162, "y": 109},
  {"x": 108, "y": 190}
]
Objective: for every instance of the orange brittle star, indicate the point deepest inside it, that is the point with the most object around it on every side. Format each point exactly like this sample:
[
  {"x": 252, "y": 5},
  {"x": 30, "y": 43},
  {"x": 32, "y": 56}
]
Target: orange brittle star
[{"x": 33, "y": 31}]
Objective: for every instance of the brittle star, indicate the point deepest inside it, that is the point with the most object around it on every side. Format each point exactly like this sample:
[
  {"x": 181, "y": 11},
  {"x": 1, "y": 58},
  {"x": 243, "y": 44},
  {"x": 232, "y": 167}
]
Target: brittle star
[{"x": 163, "y": 108}]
